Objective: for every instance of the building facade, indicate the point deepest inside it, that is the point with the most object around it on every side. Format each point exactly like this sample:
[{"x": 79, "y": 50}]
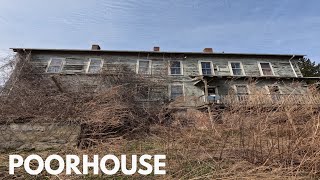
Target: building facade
[{"x": 193, "y": 77}]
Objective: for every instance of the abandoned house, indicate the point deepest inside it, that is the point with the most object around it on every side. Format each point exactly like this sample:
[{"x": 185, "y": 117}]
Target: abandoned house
[{"x": 196, "y": 78}]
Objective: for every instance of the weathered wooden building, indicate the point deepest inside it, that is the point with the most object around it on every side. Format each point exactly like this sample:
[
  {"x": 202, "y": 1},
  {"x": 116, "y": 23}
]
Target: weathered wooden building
[{"x": 193, "y": 77}]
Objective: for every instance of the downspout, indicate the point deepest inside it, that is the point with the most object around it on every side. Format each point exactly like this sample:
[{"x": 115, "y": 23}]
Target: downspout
[{"x": 295, "y": 74}]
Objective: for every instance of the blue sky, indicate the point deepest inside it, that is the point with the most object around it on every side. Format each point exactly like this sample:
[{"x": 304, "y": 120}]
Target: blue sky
[{"x": 248, "y": 26}]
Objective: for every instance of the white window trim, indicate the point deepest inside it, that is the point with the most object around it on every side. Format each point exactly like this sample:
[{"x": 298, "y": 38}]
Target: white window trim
[
  {"x": 150, "y": 65},
  {"x": 169, "y": 68},
  {"x": 49, "y": 62},
  {"x": 241, "y": 66},
  {"x": 260, "y": 69},
  {"x": 200, "y": 67},
  {"x": 176, "y": 84},
  {"x": 236, "y": 89},
  {"x": 89, "y": 62}
]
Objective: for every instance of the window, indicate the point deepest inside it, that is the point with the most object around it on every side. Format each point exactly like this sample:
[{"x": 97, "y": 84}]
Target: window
[
  {"x": 265, "y": 69},
  {"x": 274, "y": 92},
  {"x": 242, "y": 89},
  {"x": 144, "y": 67},
  {"x": 242, "y": 92},
  {"x": 236, "y": 68},
  {"x": 176, "y": 91},
  {"x": 143, "y": 92},
  {"x": 95, "y": 65},
  {"x": 55, "y": 65},
  {"x": 206, "y": 68},
  {"x": 175, "y": 68}
]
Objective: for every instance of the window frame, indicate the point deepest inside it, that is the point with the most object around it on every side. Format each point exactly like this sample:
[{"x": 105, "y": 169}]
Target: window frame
[
  {"x": 61, "y": 67},
  {"x": 176, "y": 84},
  {"x": 89, "y": 63},
  {"x": 241, "y": 67},
  {"x": 150, "y": 66},
  {"x": 236, "y": 89},
  {"x": 200, "y": 67},
  {"x": 260, "y": 68},
  {"x": 181, "y": 68}
]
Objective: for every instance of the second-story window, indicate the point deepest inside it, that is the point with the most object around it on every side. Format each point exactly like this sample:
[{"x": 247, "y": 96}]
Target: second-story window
[
  {"x": 175, "y": 68},
  {"x": 95, "y": 65},
  {"x": 144, "y": 67},
  {"x": 236, "y": 68},
  {"x": 55, "y": 65},
  {"x": 265, "y": 69},
  {"x": 206, "y": 68}
]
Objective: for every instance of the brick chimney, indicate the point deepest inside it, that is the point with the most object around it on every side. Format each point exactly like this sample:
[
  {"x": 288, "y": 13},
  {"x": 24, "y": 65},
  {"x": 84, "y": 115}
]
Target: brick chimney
[
  {"x": 207, "y": 50},
  {"x": 156, "y": 48},
  {"x": 95, "y": 47}
]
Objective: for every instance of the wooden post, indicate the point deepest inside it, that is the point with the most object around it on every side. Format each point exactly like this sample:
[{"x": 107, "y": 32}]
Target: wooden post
[{"x": 206, "y": 94}]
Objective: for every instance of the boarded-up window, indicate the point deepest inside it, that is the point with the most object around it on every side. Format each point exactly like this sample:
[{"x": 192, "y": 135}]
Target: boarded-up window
[
  {"x": 95, "y": 65},
  {"x": 55, "y": 65},
  {"x": 144, "y": 67},
  {"x": 176, "y": 91},
  {"x": 175, "y": 68},
  {"x": 266, "y": 69},
  {"x": 236, "y": 68},
  {"x": 206, "y": 68}
]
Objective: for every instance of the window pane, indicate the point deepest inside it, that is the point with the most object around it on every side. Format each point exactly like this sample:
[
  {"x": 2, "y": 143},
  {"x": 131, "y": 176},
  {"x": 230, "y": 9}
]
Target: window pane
[
  {"x": 237, "y": 71},
  {"x": 176, "y": 91},
  {"x": 56, "y": 62},
  {"x": 235, "y": 65},
  {"x": 206, "y": 68},
  {"x": 94, "y": 69},
  {"x": 265, "y": 65},
  {"x": 206, "y": 72},
  {"x": 95, "y": 66},
  {"x": 95, "y": 62},
  {"x": 175, "y": 64},
  {"x": 54, "y": 69},
  {"x": 205, "y": 65}
]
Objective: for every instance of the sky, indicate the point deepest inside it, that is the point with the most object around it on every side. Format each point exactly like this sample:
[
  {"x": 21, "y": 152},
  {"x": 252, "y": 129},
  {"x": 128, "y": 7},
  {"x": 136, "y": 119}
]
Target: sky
[{"x": 238, "y": 26}]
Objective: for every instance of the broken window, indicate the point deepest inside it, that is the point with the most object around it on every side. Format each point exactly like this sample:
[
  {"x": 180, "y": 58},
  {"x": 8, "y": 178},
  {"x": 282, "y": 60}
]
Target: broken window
[
  {"x": 55, "y": 65},
  {"x": 144, "y": 67},
  {"x": 266, "y": 69},
  {"x": 95, "y": 65},
  {"x": 275, "y": 92},
  {"x": 175, "y": 68},
  {"x": 236, "y": 68},
  {"x": 206, "y": 68},
  {"x": 242, "y": 92},
  {"x": 176, "y": 91},
  {"x": 242, "y": 89}
]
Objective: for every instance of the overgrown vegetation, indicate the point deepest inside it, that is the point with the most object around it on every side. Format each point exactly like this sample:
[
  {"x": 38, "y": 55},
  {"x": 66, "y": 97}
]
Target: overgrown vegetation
[{"x": 245, "y": 141}]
